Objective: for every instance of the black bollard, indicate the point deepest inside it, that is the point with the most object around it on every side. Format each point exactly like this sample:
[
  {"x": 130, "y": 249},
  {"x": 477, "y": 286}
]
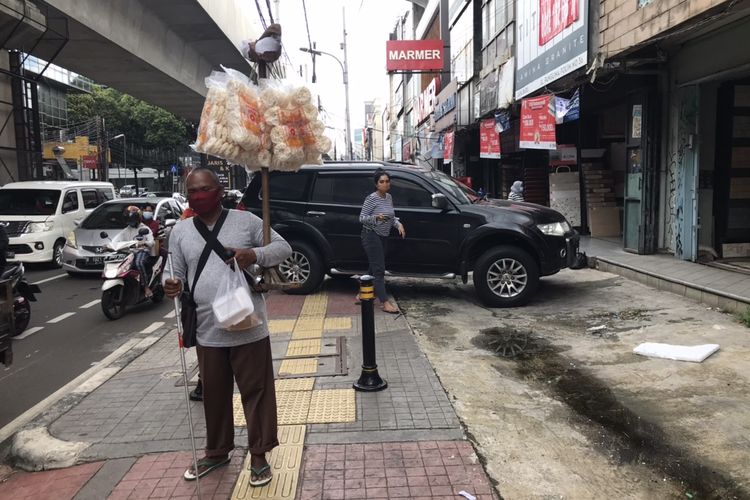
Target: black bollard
[{"x": 369, "y": 380}]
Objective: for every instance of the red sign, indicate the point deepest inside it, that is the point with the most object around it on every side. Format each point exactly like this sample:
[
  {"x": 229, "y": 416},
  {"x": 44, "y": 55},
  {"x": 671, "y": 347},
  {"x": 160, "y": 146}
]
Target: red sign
[
  {"x": 89, "y": 162},
  {"x": 406, "y": 151},
  {"x": 448, "y": 147},
  {"x": 414, "y": 55},
  {"x": 428, "y": 100},
  {"x": 538, "y": 123},
  {"x": 489, "y": 139},
  {"x": 554, "y": 17}
]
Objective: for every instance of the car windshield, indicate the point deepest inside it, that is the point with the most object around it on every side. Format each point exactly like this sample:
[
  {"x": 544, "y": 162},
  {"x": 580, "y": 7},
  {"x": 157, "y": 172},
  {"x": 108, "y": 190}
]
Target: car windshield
[
  {"x": 109, "y": 216},
  {"x": 453, "y": 187},
  {"x": 29, "y": 201}
]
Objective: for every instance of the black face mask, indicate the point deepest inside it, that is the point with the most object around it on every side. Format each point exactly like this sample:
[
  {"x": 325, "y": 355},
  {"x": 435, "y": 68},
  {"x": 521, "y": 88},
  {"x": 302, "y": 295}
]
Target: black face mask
[{"x": 133, "y": 220}]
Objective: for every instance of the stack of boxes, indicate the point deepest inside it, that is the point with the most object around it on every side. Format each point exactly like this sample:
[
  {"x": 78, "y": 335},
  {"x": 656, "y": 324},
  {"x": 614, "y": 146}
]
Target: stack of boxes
[{"x": 603, "y": 213}]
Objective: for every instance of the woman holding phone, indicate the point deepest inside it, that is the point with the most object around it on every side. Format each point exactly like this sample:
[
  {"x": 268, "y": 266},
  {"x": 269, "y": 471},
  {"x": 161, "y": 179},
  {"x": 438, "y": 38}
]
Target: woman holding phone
[{"x": 378, "y": 218}]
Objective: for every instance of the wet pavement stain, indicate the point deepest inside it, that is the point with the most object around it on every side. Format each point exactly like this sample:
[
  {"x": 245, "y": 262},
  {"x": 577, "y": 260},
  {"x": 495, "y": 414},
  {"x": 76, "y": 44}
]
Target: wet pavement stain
[{"x": 619, "y": 431}]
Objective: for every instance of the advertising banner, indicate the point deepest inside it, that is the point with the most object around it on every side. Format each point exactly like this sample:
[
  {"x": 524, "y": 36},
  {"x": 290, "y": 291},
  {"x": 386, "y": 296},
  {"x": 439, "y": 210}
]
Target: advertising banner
[
  {"x": 414, "y": 55},
  {"x": 568, "y": 110},
  {"x": 448, "y": 147},
  {"x": 89, "y": 161},
  {"x": 489, "y": 139},
  {"x": 551, "y": 41},
  {"x": 538, "y": 123}
]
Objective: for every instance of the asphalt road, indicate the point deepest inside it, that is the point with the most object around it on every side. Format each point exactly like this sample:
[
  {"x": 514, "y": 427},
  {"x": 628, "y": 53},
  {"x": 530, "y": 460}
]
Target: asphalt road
[{"x": 68, "y": 333}]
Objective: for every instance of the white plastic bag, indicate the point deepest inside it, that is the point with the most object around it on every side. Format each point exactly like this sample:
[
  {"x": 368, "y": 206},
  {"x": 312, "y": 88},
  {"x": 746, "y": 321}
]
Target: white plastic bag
[{"x": 233, "y": 306}]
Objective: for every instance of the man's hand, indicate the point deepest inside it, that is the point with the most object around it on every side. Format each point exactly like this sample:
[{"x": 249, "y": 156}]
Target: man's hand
[
  {"x": 245, "y": 257},
  {"x": 401, "y": 231},
  {"x": 172, "y": 288}
]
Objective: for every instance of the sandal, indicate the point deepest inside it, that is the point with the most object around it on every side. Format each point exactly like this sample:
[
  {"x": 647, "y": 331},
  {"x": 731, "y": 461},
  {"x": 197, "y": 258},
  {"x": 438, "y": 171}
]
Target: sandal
[
  {"x": 257, "y": 473},
  {"x": 205, "y": 465},
  {"x": 390, "y": 308}
]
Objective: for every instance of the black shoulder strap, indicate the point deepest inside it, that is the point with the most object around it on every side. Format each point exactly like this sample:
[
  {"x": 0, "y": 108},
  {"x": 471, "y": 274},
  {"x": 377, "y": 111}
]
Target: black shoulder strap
[{"x": 211, "y": 238}]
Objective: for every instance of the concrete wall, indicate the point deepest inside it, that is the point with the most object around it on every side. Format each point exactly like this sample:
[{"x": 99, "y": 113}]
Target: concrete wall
[
  {"x": 623, "y": 24},
  {"x": 9, "y": 163},
  {"x": 234, "y": 17}
]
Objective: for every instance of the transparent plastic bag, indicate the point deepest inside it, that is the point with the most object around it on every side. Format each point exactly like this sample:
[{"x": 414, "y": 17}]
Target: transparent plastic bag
[{"x": 233, "y": 305}]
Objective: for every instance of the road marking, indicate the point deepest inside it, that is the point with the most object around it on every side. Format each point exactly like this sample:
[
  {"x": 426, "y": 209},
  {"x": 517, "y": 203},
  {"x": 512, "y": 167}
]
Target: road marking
[
  {"x": 153, "y": 327},
  {"x": 50, "y": 279},
  {"x": 170, "y": 315},
  {"x": 90, "y": 304},
  {"x": 61, "y": 317},
  {"x": 28, "y": 332}
]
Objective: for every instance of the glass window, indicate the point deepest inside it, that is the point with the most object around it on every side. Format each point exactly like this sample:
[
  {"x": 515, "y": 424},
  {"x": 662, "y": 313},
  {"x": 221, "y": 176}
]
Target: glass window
[
  {"x": 105, "y": 194},
  {"x": 70, "y": 202},
  {"x": 342, "y": 189},
  {"x": 409, "y": 194},
  {"x": 288, "y": 186},
  {"x": 109, "y": 216},
  {"x": 28, "y": 201},
  {"x": 90, "y": 199}
]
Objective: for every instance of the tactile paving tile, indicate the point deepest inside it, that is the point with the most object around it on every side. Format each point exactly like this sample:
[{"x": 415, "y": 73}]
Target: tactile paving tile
[
  {"x": 294, "y": 384},
  {"x": 332, "y": 406},
  {"x": 300, "y": 366},
  {"x": 293, "y": 407},
  {"x": 276, "y": 326},
  {"x": 344, "y": 323},
  {"x": 315, "y": 305},
  {"x": 303, "y": 348},
  {"x": 285, "y": 461}
]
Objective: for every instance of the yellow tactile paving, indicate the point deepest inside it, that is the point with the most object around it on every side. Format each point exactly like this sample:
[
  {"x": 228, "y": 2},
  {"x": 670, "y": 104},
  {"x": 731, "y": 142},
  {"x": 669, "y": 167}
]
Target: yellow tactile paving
[
  {"x": 300, "y": 366},
  {"x": 303, "y": 348},
  {"x": 315, "y": 305},
  {"x": 344, "y": 323},
  {"x": 309, "y": 323},
  {"x": 281, "y": 325},
  {"x": 285, "y": 461},
  {"x": 332, "y": 406},
  {"x": 294, "y": 384},
  {"x": 293, "y": 407}
]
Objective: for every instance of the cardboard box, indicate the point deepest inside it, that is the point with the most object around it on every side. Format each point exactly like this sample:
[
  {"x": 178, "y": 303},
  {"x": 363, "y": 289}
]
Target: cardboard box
[{"x": 604, "y": 222}]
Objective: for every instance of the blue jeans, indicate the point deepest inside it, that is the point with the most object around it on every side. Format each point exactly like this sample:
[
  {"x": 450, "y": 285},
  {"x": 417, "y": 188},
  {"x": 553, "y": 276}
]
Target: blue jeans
[{"x": 375, "y": 247}]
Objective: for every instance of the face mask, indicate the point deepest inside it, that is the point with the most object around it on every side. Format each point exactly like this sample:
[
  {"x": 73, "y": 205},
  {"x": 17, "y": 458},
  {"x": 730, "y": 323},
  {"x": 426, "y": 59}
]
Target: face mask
[
  {"x": 205, "y": 202},
  {"x": 148, "y": 215}
]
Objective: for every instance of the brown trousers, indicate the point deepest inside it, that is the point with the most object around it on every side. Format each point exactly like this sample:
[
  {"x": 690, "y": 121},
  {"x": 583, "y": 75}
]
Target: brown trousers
[{"x": 251, "y": 366}]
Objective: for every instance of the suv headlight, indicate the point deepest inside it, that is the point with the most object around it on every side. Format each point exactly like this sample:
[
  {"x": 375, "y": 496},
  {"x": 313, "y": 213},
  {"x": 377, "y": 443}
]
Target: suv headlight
[
  {"x": 71, "y": 240},
  {"x": 554, "y": 228},
  {"x": 40, "y": 227}
]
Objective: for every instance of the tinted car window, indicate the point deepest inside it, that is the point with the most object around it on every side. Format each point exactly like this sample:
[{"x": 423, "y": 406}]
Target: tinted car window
[
  {"x": 70, "y": 202},
  {"x": 342, "y": 189},
  {"x": 105, "y": 195},
  {"x": 28, "y": 201},
  {"x": 109, "y": 216},
  {"x": 409, "y": 194},
  {"x": 288, "y": 186},
  {"x": 90, "y": 199}
]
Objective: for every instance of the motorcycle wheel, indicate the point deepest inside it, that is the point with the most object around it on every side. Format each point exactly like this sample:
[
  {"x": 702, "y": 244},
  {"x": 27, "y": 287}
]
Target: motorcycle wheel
[
  {"x": 21, "y": 316},
  {"x": 112, "y": 307}
]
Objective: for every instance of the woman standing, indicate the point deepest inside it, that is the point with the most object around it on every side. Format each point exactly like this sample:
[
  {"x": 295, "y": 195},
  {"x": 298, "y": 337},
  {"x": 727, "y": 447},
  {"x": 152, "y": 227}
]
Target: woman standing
[{"x": 378, "y": 218}]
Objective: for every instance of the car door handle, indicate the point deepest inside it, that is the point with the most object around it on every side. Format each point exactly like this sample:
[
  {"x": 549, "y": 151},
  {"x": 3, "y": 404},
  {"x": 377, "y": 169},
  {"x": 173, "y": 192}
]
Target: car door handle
[{"x": 313, "y": 213}]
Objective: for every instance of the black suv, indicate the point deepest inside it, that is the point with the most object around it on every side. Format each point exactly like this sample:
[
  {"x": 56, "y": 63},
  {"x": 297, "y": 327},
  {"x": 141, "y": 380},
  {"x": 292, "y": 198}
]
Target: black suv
[{"x": 449, "y": 232}]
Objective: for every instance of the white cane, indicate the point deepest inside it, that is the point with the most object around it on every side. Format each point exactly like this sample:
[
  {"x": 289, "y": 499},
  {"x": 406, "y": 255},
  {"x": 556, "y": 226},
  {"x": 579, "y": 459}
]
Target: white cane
[{"x": 185, "y": 378}]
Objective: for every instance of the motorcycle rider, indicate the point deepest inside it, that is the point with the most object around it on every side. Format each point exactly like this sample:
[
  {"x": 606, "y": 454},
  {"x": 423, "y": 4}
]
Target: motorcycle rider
[{"x": 142, "y": 258}]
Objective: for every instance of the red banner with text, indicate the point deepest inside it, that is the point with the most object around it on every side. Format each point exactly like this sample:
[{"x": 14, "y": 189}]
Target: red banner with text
[
  {"x": 448, "y": 147},
  {"x": 538, "y": 123},
  {"x": 489, "y": 139}
]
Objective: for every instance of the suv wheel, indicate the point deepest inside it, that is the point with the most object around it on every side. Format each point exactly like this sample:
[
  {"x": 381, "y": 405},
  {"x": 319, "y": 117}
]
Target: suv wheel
[
  {"x": 505, "y": 277},
  {"x": 304, "y": 266}
]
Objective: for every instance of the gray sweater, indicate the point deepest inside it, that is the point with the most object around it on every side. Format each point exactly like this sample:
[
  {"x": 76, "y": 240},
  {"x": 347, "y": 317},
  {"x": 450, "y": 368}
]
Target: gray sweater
[{"x": 240, "y": 230}]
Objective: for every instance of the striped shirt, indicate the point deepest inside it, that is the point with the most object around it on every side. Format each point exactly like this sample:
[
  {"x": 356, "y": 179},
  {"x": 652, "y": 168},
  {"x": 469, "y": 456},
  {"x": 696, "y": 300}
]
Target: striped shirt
[
  {"x": 374, "y": 205},
  {"x": 515, "y": 197}
]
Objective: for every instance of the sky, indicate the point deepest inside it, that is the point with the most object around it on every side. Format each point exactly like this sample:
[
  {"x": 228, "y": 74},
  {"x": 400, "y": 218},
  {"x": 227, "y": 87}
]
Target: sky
[{"x": 368, "y": 24}]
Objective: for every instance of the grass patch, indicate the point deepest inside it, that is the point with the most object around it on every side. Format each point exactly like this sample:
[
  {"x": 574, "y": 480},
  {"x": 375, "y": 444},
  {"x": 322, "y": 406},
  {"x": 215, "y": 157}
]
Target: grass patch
[{"x": 744, "y": 318}]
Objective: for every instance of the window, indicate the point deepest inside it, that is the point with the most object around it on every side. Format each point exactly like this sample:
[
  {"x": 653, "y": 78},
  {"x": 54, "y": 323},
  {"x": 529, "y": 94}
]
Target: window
[
  {"x": 342, "y": 189},
  {"x": 409, "y": 194},
  {"x": 105, "y": 195},
  {"x": 70, "y": 202},
  {"x": 288, "y": 186},
  {"x": 90, "y": 199},
  {"x": 28, "y": 201},
  {"x": 165, "y": 212}
]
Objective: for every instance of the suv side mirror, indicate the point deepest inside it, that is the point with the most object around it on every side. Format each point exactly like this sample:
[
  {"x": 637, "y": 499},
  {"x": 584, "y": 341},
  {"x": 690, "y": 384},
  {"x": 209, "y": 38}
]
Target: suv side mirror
[
  {"x": 439, "y": 201},
  {"x": 143, "y": 231}
]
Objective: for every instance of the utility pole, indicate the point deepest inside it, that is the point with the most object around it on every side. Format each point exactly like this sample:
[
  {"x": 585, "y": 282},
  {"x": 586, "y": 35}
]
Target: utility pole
[{"x": 346, "y": 90}]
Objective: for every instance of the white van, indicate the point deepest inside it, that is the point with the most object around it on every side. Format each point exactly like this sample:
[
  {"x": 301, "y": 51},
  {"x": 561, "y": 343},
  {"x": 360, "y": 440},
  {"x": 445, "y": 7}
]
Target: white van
[{"x": 39, "y": 215}]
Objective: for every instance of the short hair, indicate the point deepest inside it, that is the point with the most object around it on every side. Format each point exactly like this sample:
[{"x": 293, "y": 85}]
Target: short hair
[
  {"x": 148, "y": 205},
  {"x": 380, "y": 173},
  {"x": 208, "y": 171}
]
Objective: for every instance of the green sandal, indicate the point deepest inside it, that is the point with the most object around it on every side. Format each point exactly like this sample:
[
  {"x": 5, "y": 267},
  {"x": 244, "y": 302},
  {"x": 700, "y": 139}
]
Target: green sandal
[
  {"x": 205, "y": 465},
  {"x": 258, "y": 473}
]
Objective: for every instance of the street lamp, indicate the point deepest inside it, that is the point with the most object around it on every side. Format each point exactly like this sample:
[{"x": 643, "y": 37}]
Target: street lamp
[
  {"x": 345, "y": 71},
  {"x": 125, "y": 159}
]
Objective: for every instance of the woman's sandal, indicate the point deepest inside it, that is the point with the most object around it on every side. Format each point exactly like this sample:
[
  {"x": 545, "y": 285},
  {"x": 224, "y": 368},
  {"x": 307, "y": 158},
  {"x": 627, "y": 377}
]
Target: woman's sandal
[
  {"x": 391, "y": 309},
  {"x": 205, "y": 465},
  {"x": 257, "y": 473}
]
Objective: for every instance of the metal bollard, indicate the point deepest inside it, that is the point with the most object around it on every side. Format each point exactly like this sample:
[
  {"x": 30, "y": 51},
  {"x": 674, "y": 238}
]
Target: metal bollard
[{"x": 369, "y": 380}]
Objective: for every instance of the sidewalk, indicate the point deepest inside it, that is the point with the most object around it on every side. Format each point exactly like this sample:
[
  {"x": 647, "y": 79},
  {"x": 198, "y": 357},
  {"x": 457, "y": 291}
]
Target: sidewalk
[
  {"x": 403, "y": 442},
  {"x": 715, "y": 287}
]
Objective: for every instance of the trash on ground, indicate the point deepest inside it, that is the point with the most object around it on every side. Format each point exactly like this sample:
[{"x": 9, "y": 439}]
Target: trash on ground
[
  {"x": 597, "y": 328},
  {"x": 696, "y": 353},
  {"x": 467, "y": 495}
]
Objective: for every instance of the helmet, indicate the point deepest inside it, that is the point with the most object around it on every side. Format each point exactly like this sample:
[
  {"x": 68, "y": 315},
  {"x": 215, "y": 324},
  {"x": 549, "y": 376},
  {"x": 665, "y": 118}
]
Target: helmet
[{"x": 133, "y": 216}]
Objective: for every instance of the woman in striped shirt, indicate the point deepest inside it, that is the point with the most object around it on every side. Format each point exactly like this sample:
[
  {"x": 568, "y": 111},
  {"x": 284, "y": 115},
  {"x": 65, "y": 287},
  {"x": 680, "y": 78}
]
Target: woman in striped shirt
[{"x": 378, "y": 218}]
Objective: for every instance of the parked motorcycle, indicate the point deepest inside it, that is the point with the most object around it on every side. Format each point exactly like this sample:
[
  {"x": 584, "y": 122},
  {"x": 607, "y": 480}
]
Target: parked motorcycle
[
  {"x": 122, "y": 283},
  {"x": 23, "y": 295}
]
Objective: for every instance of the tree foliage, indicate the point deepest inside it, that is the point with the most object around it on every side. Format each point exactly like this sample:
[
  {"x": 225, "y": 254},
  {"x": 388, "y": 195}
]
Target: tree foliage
[{"x": 142, "y": 123}]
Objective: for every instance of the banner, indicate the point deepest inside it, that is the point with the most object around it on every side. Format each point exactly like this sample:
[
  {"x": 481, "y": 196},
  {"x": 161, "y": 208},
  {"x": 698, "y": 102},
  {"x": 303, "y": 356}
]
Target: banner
[
  {"x": 448, "y": 147},
  {"x": 89, "y": 161},
  {"x": 502, "y": 121},
  {"x": 437, "y": 148},
  {"x": 414, "y": 55},
  {"x": 489, "y": 139},
  {"x": 567, "y": 110},
  {"x": 538, "y": 123}
]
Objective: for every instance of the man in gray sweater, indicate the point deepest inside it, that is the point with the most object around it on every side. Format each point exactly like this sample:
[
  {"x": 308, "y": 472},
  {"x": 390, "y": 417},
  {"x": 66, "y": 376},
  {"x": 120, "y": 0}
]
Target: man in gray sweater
[{"x": 224, "y": 356}]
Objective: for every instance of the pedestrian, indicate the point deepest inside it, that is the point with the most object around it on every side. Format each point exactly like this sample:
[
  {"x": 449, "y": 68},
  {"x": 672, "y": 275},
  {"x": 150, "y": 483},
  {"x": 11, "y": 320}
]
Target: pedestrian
[
  {"x": 378, "y": 218},
  {"x": 224, "y": 357},
  {"x": 516, "y": 191}
]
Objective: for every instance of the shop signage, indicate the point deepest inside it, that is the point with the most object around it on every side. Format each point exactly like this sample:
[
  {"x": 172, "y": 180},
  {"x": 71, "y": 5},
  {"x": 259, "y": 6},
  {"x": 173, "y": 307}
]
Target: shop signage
[
  {"x": 406, "y": 151},
  {"x": 488, "y": 93},
  {"x": 552, "y": 41},
  {"x": 565, "y": 154},
  {"x": 538, "y": 123},
  {"x": 445, "y": 107},
  {"x": 427, "y": 100},
  {"x": 448, "y": 146},
  {"x": 568, "y": 110},
  {"x": 89, "y": 161},
  {"x": 489, "y": 139},
  {"x": 502, "y": 121},
  {"x": 414, "y": 55}
]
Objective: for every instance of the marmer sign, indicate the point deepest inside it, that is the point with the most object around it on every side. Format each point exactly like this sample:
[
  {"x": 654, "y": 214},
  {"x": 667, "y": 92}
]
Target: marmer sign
[{"x": 414, "y": 55}]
